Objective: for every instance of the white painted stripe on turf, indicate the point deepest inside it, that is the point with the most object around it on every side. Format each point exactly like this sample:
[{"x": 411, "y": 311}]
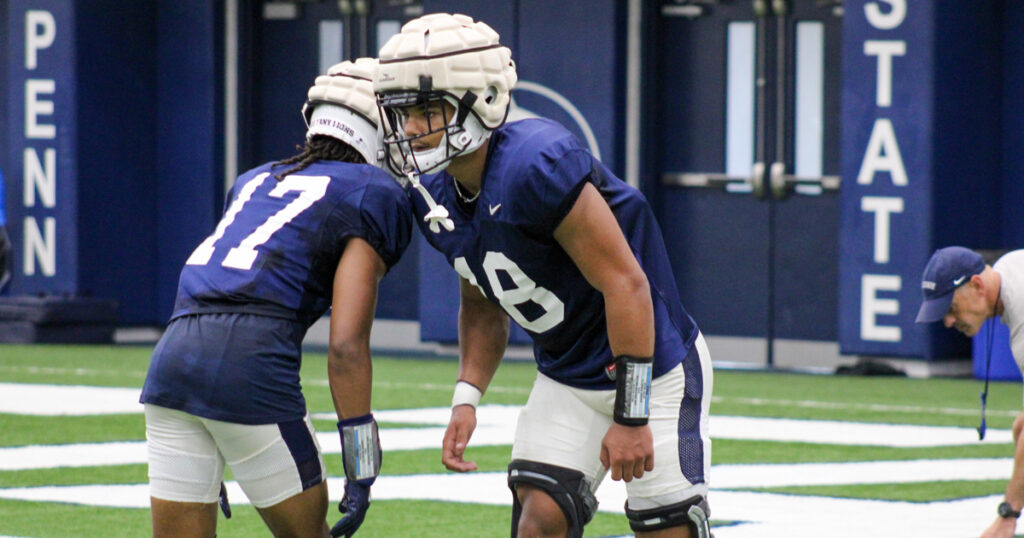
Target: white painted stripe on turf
[
  {"x": 873, "y": 407},
  {"x": 40, "y": 399},
  {"x": 735, "y": 476},
  {"x": 849, "y": 433},
  {"x": 763, "y": 475},
  {"x": 83, "y": 400},
  {"x": 496, "y": 433},
  {"x": 767, "y": 514},
  {"x": 749, "y": 428},
  {"x": 51, "y": 400},
  {"x": 494, "y": 415},
  {"x": 757, "y": 514},
  {"x": 133, "y": 452},
  {"x": 72, "y": 455}
]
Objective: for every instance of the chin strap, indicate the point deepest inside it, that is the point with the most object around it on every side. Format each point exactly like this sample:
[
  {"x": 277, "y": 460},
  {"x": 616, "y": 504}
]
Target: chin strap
[{"x": 438, "y": 215}]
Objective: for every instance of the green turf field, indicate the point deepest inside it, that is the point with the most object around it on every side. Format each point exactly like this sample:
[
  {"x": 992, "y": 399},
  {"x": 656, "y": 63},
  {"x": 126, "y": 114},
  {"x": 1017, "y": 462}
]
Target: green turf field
[{"x": 403, "y": 383}]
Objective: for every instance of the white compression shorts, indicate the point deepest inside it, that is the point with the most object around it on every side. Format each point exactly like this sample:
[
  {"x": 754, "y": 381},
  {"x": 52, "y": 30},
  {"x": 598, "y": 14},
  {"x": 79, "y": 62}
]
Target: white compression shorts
[
  {"x": 271, "y": 462},
  {"x": 561, "y": 425}
]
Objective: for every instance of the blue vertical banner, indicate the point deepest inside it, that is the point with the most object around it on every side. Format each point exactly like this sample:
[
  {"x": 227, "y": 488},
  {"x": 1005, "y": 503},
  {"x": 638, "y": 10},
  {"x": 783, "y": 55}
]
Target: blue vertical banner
[
  {"x": 42, "y": 146},
  {"x": 887, "y": 174}
]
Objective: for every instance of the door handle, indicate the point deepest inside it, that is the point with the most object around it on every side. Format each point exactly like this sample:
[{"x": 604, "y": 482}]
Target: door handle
[
  {"x": 752, "y": 184},
  {"x": 708, "y": 180},
  {"x": 782, "y": 183},
  {"x": 757, "y": 180},
  {"x": 690, "y": 11}
]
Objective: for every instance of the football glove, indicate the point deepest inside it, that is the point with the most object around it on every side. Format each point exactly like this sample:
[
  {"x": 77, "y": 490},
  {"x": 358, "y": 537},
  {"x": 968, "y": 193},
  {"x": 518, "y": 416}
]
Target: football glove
[{"x": 354, "y": 505}]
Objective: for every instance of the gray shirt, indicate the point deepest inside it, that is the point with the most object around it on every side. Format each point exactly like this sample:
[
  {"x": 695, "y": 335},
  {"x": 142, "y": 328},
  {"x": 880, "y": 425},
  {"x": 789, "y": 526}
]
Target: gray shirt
[{"x": 1011, "y": 292}]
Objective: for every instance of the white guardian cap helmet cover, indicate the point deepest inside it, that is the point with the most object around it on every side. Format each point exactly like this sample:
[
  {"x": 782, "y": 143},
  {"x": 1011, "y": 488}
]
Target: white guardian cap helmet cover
[
  {"x": 449, "y": 57},
  {"x": 342, "y": 105}
]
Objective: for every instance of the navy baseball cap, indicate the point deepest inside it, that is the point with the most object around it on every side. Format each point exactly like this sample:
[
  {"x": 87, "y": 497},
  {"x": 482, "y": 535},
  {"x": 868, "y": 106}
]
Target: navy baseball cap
[{"x": 948, "y": 269}]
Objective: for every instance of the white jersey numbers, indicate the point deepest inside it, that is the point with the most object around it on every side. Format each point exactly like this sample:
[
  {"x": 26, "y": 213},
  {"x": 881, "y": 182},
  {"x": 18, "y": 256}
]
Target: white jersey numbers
[
  {"x": 523, "y": 290},
  {"x": 242, "y": 256}
]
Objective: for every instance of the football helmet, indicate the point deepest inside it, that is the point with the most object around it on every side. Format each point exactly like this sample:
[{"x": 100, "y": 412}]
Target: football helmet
[
  {"x": 442, "y": 57},
  {"x": 342, "y": 105}
]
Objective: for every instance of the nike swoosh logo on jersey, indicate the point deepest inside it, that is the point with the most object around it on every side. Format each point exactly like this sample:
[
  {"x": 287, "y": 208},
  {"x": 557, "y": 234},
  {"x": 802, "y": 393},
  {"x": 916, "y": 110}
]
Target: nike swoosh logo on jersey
[
  {"x": 494, "y": 208},
  {"x": 956, "y": 282}
]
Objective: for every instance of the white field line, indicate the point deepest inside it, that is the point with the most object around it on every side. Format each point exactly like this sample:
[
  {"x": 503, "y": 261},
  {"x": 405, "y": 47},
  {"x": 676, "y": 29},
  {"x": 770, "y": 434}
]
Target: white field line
[
  {"x": 884, "y": 408},
  {"x": 496, "y": 427},
  {"x": 38, "y": 399},
  {"x": 67, "y": 400},
  {"x": 746, "y": 428},
  {"x": 758, "y": 514},
  {"x": 437, "y": 387},
  {"x": 723, "y": 476},
  {"x": 73, "y": 372}
]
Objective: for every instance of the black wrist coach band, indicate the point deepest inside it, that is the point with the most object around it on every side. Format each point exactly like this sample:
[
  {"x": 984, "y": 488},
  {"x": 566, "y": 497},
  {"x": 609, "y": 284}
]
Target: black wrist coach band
[{"x": 633, "y": 389}]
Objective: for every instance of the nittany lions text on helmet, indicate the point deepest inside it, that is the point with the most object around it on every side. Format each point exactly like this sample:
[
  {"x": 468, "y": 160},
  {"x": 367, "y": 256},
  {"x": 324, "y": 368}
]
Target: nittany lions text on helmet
[
  {"x": 449, "y": 57},
  {"x": 341, "y": 104}
]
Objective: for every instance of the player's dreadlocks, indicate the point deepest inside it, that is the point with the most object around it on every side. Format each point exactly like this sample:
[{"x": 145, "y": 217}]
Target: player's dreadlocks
[{"x": 319, "y": 148}]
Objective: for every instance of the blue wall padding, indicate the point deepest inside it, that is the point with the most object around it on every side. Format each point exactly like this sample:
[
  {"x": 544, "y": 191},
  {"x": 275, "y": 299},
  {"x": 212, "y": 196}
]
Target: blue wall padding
[
  {"x": 1013, "y": 126},
  {"x": 117, "y": 157},
  {"x": 190, "y": 188}
]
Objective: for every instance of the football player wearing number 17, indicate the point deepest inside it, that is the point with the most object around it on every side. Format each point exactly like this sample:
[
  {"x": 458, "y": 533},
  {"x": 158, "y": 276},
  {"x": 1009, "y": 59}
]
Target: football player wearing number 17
[
  {"x": 540, "y": 231},
  {"x": 313, "y": 231}
]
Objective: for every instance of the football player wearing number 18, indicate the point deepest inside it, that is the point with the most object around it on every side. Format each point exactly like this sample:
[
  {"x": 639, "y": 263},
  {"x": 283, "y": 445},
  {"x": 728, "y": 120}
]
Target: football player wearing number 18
[
  {"x": 314, "y": 231},
  {"x": 542, "y": 232}
]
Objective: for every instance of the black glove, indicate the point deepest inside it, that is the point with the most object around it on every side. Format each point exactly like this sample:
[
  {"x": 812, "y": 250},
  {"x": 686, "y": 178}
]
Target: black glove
[
  {"x": 225, "y": 506},
  {"x": 354, "y": 505}
]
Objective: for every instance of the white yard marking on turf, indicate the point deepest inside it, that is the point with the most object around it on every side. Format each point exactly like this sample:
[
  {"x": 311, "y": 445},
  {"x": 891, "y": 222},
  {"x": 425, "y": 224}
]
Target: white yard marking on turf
[
  {"x": 756, "y": 514},
  {"x": 50, "y": 400},
  {"x": 723, "y": 476},
  {"x": 844, "y": 406},
  {"x": 79, "y": 372},
  {"x": 848, "y": 433},
  {"x": 746, "y": 428},
  {"x": 443, "y": 387},
  {"x": 20, "y": 458},
  {"x": 496, "y": 427},
  {"x": 772, "y": 475},
  {"x": 133, "y": 452},
  {"x": 83, "y": 400}
]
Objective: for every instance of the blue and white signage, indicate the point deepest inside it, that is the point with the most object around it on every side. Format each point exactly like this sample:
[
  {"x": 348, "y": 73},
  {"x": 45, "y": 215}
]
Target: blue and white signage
[
  {"x": 886, "y": 169},
  {"x": 41, "y": 174}
]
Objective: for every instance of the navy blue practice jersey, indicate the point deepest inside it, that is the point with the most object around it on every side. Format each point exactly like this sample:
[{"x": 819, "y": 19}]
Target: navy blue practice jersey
[
  {"x": 504, "y": 244},
  {"x": 278, "y": 244},
  {"x": 249, "y": 292}
]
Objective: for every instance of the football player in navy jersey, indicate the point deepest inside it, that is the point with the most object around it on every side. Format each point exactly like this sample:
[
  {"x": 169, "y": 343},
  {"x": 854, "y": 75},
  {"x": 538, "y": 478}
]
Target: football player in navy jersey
[
  {"x": 298, "y": 236},
  {"x": 542, "y": 233}
]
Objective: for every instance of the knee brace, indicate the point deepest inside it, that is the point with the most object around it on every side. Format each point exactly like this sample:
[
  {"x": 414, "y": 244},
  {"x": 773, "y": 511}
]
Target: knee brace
[
  {"x": 569, "y": 488},
  {"x": 693, "y": 512}
]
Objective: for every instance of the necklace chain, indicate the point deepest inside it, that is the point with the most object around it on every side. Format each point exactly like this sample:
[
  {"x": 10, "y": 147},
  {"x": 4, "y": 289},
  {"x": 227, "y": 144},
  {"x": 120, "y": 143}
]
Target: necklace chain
[{"x": 461, "y": 195}]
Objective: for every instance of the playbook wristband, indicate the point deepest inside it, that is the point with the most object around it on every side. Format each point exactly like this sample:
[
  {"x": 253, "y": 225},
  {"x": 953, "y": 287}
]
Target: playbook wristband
[
  {"x": 360, "y": 449},
  {"x": 633, "y": 390},
  {"x": 466, "y": 394}
]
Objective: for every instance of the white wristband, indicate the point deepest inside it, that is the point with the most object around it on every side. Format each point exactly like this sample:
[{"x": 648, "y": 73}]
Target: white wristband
[{"x": 466, "y": 394}]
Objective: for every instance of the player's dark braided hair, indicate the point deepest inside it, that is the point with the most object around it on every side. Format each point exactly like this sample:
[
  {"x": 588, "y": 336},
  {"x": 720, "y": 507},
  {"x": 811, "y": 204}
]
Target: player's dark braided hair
[{"x": 319, "y": 148}]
